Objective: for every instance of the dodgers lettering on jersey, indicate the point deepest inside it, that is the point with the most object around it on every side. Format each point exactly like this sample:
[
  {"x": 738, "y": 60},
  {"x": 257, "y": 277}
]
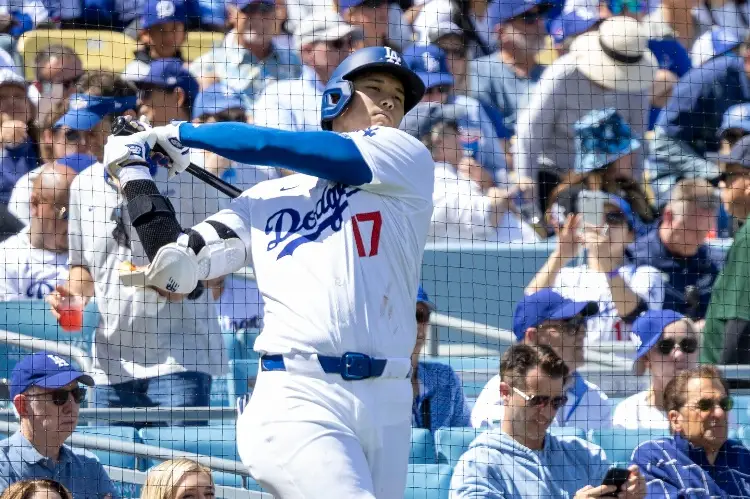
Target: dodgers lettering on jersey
[{"x": 338, "y": 266}]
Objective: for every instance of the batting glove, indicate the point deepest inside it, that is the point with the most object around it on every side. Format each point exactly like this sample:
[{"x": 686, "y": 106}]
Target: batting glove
[
  {"x": 133, "y": 150},
  {"x": 168, "y": 137}
]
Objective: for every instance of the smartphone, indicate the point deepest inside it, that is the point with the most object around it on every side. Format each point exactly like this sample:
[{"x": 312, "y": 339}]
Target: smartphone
[
  {"x": 590, "y": 205},
  {"x": 617, "y": 477}
]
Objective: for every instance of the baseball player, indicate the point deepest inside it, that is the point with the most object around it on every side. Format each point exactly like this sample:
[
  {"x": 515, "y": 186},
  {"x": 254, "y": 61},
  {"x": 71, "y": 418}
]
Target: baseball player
[{"x": 337, "y": 254}]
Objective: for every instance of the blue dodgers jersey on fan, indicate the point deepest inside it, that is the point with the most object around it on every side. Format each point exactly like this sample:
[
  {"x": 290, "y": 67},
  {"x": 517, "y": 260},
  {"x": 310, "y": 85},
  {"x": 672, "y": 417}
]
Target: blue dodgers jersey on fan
[{"x": 338, "y": 266}]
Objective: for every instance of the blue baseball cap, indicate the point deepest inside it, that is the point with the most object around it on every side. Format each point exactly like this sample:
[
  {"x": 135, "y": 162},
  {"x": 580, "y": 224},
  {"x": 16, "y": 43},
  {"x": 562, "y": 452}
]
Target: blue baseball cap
[
  {"x": 430, "y": 64},
  {"x": 737, "y": 116},
  {"x": 78, "y": 161},
  {"x": 501, "y": 11},
  {"x": 215, "y": 99},
  {"x": 572, "y": 23},
  {"x": 86, "y": 111},
  {"x": 422, "y": 297},
  {"x": 601, "y": 137},
  {"x": 241, "y": 4},
  {"x": 45, "y": 370},
  {"x": 546, "y": 305},
  {"x": 648, "y": 328},
  {"x": 156, "y": 12},
  {"x": 168, "y": 74}
]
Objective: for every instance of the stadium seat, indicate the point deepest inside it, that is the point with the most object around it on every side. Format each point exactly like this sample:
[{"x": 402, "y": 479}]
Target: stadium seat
[
  {"x": 215, "y": 441},
  {"x": 619, "y": 443},
  {"x": 242, "y": 374},
  {"x": 428, "y": 481},
  {"x": 451, "y": 443},
  {"x": 198, "y": 43},
  {"x": 33, "y": 318},
  {"x": 422, "y": 447},
  {"x": 99, "y": 50}
]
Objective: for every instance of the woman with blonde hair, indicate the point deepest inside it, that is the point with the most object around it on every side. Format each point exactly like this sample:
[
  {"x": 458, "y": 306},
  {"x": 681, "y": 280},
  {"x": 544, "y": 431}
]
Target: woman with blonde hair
[
  {"x": 178, "y": 479},
  {"x": 36, "y": 489}
]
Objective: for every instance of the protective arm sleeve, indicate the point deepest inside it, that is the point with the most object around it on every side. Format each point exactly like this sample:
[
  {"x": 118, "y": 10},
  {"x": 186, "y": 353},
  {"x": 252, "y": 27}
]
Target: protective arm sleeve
[{"x": 325, "y": 155}]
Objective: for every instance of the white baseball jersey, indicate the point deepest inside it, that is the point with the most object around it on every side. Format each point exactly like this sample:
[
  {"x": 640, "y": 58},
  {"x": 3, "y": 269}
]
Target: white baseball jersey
[
  {"x": 27, "y": 272},
  {"x": 339, "y": 266}
]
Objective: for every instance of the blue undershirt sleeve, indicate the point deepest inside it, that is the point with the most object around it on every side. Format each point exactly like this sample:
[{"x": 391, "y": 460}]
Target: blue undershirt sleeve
[{"x": 322, "y": 154}]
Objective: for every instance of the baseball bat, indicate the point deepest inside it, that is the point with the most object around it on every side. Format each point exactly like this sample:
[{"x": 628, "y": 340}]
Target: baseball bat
[{"x": 123, "y": 127}]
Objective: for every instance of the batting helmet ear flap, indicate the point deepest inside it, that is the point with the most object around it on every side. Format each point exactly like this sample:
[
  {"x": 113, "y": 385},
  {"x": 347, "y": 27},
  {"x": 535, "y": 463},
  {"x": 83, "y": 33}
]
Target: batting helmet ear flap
[{"x": 336, "y": 97}]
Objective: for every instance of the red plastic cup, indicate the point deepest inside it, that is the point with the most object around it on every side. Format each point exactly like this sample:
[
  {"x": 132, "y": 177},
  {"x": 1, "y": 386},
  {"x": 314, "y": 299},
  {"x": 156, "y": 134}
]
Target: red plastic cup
[{"x": 71, "y": 314}]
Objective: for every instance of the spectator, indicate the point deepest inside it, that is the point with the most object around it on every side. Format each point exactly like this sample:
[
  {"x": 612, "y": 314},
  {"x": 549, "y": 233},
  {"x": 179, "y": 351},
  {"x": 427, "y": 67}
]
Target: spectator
[
  {"x": 74, "y": 133},
  {"x": 19, "y": 16},
  {"x": 166, "y": 92},
  {"x": 713, "y": 43},
  {"x": 547, "y": 319},
  {"x": 370, "y": 16},
  {"x": 592, "y": 76},
  {"x": 35, "y": 261},
  {"x": 161, "y": 34},
  {"x": 605, "y": 161},
  {"x": 438, "y": 396},
  {"x": 521, "y": 459},
  {"x": 622, "y": 291},
  {"x": 58, "y": 70},
  {"x": 452, "y": 41},
  {"x": 47, "y": 397},
  {"x": 475, "y": 19},
  {"x": 149, "y": 350},
  {"x": 569, "y": 25},
  {"x": 698, "y": 460},
  {"x": 29, "y": 489},
  {"x": 249, "y": 58},
  {"x": 324, "y": 41},
  {"x": 677, "y": 248},
  {"x": 178, "y": 479},
  {"x": 507, "y": 78},
  {"x": 468, "y": 204},
  {"x": 431, "y": 64},
  {"x": 685, "y": 132},
  {"x": 731, "y": 15},
  {"x": 667, "y": 345},
  {"x": 20, "y": 153},
  {"x": 726, "y": 338}
]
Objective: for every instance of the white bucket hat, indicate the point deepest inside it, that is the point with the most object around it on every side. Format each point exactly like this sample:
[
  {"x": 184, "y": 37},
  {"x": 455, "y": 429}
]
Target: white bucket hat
[{"x": 616, "y": 56}]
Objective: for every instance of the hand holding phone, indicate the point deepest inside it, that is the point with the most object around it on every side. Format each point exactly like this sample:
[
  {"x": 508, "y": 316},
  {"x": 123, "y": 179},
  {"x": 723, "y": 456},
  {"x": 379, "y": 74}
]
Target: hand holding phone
[{"x": 616, "y": 477}]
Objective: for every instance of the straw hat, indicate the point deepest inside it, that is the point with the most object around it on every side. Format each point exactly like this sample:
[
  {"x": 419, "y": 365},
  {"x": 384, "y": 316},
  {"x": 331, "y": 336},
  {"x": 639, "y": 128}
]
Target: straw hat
[{"x": 616, "y": 57}]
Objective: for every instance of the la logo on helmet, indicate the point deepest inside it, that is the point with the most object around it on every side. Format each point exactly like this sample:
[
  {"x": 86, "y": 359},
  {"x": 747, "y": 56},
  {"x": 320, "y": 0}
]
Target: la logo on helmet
[{"x": 392, "y": 56}]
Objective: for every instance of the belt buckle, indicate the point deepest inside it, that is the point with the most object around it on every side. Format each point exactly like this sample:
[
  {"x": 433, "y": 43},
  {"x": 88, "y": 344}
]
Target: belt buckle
[{"x": 355, "y": 366}]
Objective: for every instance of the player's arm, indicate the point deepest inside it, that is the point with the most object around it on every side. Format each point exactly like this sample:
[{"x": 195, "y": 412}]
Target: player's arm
[{"x": 322, "y": 154}]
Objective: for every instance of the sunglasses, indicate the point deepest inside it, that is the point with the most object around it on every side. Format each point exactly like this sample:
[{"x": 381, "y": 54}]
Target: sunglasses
[
  {"x": 423, "y": 316},
  {"x": 686, "y": 345},
  {"x": 60, "y": 397},
  {"x": 705, "y": 405},
  {"x": 542, "y": 400},
  {"x": 534, "y": 15},
  {"x": 341, "y": 43},
  {"x": 72, "y": 136},
  {"x": 571, "y": 328},
  {"x": 615, "y": 218},
  {"x": 372, "y": 4}
]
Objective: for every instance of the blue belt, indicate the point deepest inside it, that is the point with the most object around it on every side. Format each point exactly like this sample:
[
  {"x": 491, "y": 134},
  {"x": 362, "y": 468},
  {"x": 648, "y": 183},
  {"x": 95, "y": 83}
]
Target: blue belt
[{"x": 351, "y": 366}]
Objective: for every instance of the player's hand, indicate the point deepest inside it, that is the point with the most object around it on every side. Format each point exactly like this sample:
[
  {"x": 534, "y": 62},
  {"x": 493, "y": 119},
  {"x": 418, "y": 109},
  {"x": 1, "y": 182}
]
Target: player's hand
[
  {"x": 121, "y": 152},
  {"x": 168, "y": 137},
  {"x": 589, "y": 491}
]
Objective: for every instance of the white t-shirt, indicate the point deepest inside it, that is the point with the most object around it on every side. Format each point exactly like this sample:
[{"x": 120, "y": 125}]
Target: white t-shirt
[
  {"x": 141, "y": 334},
  {"x": 583, "y": 284},
  {"x": 463, "y": 213},
  {"x": 339, "y": 266},
  {"x": 635, "y": 412},
  {"x": 588, "y": 407},
  {"x": 20, "y": 198},
  {"x": 28, "y": 273}
]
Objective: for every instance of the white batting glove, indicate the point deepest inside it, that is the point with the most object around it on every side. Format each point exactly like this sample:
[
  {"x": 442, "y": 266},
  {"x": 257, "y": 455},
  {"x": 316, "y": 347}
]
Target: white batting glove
[
  {"x": 168, "y": 137},
  {"x": 133, "y": 150}
]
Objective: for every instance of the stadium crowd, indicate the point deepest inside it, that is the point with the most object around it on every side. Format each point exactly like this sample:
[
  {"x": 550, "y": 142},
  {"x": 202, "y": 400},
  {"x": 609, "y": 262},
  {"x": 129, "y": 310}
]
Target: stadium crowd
[{"x": 619, "y": 129}]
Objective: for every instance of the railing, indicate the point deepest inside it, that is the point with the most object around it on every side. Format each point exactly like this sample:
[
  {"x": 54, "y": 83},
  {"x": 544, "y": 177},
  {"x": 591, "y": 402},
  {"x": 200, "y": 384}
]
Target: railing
[
  {"x": 38, "y": 344},
  {"x": 146, "y": 415},
  {"x": 90, "y": 442}
]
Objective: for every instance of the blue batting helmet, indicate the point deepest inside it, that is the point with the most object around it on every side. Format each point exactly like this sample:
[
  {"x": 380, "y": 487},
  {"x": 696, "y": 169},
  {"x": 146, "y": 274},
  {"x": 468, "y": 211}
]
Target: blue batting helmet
[{"x": 340, "y": 89}]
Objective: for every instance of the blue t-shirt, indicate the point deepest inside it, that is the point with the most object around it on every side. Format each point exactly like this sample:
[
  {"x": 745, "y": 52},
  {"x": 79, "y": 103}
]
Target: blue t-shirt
[
  {"x": 82, "y": 475},
  {"x": 15, "y": 163}
]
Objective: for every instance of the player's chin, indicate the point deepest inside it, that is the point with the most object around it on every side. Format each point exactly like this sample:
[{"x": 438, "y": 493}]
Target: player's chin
[{"x": 381, "y": 120}]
